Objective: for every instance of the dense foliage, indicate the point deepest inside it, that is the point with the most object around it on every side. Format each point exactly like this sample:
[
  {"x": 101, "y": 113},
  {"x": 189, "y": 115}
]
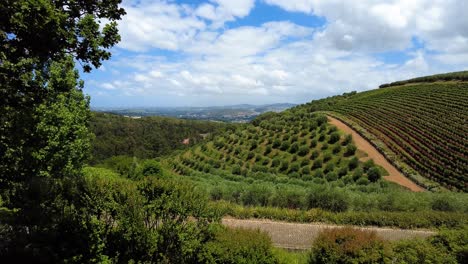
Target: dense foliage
[
  {"x": 349, "y": 245},
  {"x": 423, "y": 125},
  {"x": 148, "y": 137}
]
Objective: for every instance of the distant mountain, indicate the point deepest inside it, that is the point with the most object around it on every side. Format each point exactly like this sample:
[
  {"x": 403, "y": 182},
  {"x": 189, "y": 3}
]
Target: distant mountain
[{"x": 241, "y": 113}]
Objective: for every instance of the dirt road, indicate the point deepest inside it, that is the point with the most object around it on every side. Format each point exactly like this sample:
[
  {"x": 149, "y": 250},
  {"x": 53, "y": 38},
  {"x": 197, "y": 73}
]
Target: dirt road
[
  {"x": 300, "y": 236},
  {"x": 379, "y": 159}
]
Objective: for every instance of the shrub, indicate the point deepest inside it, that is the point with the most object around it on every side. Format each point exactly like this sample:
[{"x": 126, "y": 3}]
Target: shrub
[
  {"x": 368, "y": 164},
  {"x": 353, "y": 163},
  {"x": 331, "y": 176},
  {"x": 442, "y": 204},
  {"x": 336, "y": 149},
  {"x": 317, "y": 164},
  {"x": 321, "y": 137},
  {"x": 334, "y": 137},
  {"x": 347, "y": 245},
  {"x": 327, "y": 157},
  {"x": 151, "y": 168},
  {"x": 295, "y": 167},
  {"x": 284, "y": 165},
  {"x": 373, "y": 174},
  {"x": 342, "y": 171},
  {"x": 267, "y": 150},
  {"x": 294, "y": 148},
  {"x": 362, "y": 181},
  {"x": 328, "y": 199},
  {"x": 325, "y": 146},
  {"x": 313, "y": 143},
  {"x": 350, "y": 150},
  {"x": 305, "y": 170},
  {"x": 233, "y": 246},
  {"x": 348, "y": 139},
  {"x": 420, "y": 251},
  {"x": 253, "y": 145},
  {"x": 285, "y": 145},
  {"x": 314, "y": 154},
  {"x": 329, "y": 167},
  {"x": 236, "y": 169},
  {"x": 276, "y": 143},
  {"x": 276, "y": 161},
  {"x": 304, "y": 150}
]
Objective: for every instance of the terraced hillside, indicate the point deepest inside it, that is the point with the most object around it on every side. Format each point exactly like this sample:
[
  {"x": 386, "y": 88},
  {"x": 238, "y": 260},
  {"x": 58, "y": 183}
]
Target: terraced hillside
[
  {"x": 422, "y": 124},
  {"x": 302, "y": 146}
]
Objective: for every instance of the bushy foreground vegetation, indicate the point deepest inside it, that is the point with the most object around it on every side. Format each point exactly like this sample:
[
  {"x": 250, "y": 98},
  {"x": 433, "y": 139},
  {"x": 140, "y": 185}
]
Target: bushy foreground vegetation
[
  {"x": 110, "y": 219},
  {"x": 379, "y": 204},
  {"x": 421, "y": 125},
  {"x": 148, "y": 137},
  {"x": 349, "y": 245}
]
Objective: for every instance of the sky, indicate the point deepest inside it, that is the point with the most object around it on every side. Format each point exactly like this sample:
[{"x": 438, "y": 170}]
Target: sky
[{"x": 225, "y": 52}]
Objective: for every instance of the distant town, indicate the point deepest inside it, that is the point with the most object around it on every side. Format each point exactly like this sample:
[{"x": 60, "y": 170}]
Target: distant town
[{"x": 231, "y": 114}]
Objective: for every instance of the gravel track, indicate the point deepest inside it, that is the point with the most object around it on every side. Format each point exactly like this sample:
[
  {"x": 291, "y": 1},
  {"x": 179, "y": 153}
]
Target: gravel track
[{"x": 299, "y": 236}]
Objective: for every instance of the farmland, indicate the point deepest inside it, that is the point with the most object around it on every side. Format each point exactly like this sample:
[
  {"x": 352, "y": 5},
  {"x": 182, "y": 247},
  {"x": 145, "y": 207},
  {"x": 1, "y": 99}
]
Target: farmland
[{"x": 420, "y": 124}]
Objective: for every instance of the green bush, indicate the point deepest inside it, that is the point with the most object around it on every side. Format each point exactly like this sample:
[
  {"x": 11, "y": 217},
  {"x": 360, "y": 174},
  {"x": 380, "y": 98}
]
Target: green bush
[
  {"x": 347, "y": 245},
  {"x": 336, "y": 149},
  {"x": 294, "y": 148},
  {"x": 334, "y": 137},
  {"x": 304, "y": 150},
  {"x": 373, "y": 174},
  {"x": 328, "y": 199},
  {"x": 151, "y": 168},
  {"x": 317, "y": 164},
  {"x": 350, "y": 150},
  {"x": 420, "y": 251},
  {"x": 347, "y": 140},
  {"x": 331, "y": 176},
  {"x": 233, "y": 246},
  {"x": 285, "y": 145},
  {"x": 353, "y": 163}
]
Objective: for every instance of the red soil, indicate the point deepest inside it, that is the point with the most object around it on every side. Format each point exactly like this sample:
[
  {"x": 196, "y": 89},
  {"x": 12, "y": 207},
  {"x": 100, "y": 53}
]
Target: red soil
[{"x": 362, "y": 144}]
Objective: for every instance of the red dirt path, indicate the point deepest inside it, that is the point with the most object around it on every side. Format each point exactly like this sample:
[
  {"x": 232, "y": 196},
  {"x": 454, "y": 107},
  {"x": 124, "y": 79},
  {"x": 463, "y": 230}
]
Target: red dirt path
[{"x": 362, "y": 144}]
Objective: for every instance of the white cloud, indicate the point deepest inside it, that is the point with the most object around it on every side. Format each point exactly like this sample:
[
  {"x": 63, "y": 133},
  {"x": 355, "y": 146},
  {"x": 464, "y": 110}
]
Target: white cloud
[{"x": 282, "y": 61}]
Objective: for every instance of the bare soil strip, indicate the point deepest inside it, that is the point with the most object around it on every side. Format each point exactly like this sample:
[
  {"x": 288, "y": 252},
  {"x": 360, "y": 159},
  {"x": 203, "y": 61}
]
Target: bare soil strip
[
  {"x": 362, "y": 144},
  {"x": 299, "y": 236}
]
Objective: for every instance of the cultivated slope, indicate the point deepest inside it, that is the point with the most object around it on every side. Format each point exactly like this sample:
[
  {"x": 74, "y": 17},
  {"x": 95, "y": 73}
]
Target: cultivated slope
[
  {"x": 423, "y": 124},
  {"x": 301, "y": 145}
]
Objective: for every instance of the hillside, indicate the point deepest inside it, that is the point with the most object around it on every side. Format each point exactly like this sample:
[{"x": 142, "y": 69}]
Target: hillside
[
  {"x": 147, "y": 137},
  {"x": 422, "y": 124},
  {"x": 301, "y": 146}
]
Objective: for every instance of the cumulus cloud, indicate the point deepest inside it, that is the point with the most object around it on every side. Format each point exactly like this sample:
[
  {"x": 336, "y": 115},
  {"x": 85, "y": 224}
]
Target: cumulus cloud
[{"x": 281, "y": 60}]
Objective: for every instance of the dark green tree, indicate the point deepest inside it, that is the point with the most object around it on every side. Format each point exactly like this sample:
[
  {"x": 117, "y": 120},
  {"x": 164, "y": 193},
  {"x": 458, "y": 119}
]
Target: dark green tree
[{"x": 43, "y": 134}]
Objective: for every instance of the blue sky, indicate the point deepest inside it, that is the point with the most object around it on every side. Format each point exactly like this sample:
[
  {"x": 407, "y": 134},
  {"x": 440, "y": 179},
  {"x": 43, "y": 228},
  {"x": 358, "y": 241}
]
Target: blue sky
[{"x": 223, "y": 52}]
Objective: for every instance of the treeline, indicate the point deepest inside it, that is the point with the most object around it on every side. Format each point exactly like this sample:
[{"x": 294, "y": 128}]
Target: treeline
[
  {"x": 148, "y": 137},
  {"x": 452, "y": 76}
]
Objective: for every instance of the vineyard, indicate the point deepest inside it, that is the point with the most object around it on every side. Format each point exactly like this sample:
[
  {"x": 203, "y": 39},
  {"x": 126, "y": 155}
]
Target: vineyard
[
  {"x": 303, "y": 147},
  {"x": 424, "y": 124}
]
